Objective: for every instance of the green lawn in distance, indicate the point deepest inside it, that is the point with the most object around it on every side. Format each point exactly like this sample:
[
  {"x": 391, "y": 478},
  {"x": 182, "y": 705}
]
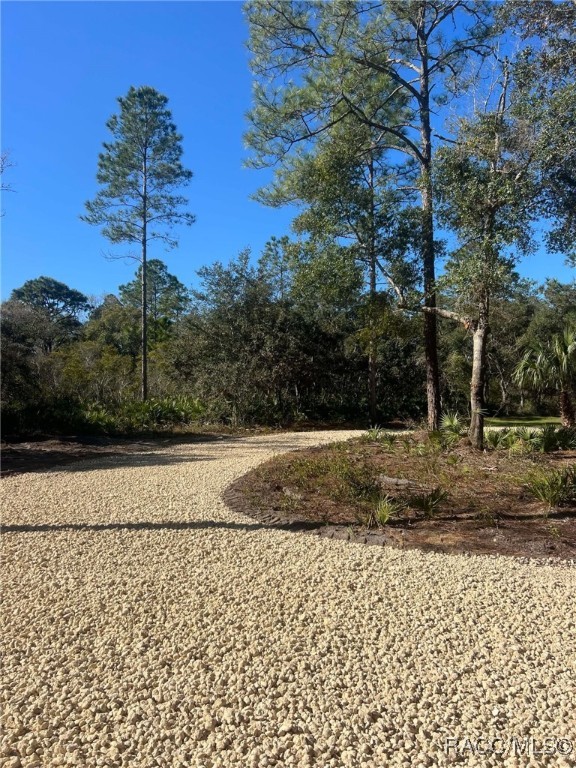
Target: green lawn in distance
[{"x": 521, "y": 421}]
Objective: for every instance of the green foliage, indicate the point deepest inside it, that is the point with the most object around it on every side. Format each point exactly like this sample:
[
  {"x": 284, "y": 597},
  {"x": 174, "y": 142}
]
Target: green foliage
[
  {"x": 256, "y": 350},
  {"x": 326, "y": 282},
  {"x": 522, "y": 440},
  {"x": 355, "y": 483},
  {"x": 550, "y": 440},
  {"x": 430, "y": 503},
  {"x": 23, "y": 331},
  {"x": 344, "y": 184},
  {"x": 57, "y": 307},
  {"x": 564, "y": 439},
  {"x": 451, "y": 422},
  {"x": 381, "y": 436},
  {"x": 113, "y": 325},
  {"x": 167, "y": 298},
  {"x": 529, "y": 435},
  {"x": 139, "y": 171},
  {"x": 44, "y": 415},
  {"x": 61, "y": 415},
  {"x": 329, "y": 70},
  {"x": 152, "y": 415},
  {"x": 485, "y": 176},
  {"x": 551, "y": 366},
  {"x": 436, "y": 442},
  {"x": 554, "y": 488},
  {"x": 56, "y": 298},
  {"x": 495, "y": 438},
  {"x": 349, "y": 482},
  {"x": 451, "y": 428},
  {"x": 315, "y": 62},
  {"x": 432, "y": 446},
  {"x": 544, "y": 74},
  {"x": 385, "y": 510}
]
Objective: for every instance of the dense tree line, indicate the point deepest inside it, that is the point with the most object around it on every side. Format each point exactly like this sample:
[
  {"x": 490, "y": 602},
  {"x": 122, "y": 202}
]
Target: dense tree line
[{"x": 279, "y": 341}]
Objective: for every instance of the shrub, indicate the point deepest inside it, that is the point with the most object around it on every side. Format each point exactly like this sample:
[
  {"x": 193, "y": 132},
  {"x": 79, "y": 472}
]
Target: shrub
[
  {"x": 386, "y": 508},
  {"x": 356, "y": 483},
  {"x": 150, "y": 415},
  {"x": 375, "y": 433},
  {"x": 522, "y": 440},
  {"x": 452, "y": 428},
  {"x": 554, "y": 488},
  {"x": 496, "y": 438},
  {"x": 558, "y": 438},
  {"x": 549, "y": 439},
  {"x": 379, "y": 435},
  {"x": 429, "y": 503}
]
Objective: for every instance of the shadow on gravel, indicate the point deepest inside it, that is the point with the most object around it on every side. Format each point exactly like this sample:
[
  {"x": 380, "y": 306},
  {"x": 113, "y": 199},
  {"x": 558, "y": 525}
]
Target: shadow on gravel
[
  {"x": 152, "y": 459},
  {"x": 59, "y": 455},
  {"x": 167, "y": 525},
  {"x": 69, "y": 456},
  {"x": 43, "y": 460}
]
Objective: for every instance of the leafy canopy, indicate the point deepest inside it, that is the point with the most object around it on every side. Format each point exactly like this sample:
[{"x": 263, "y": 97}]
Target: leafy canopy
[{"x": 56, "y": 298}]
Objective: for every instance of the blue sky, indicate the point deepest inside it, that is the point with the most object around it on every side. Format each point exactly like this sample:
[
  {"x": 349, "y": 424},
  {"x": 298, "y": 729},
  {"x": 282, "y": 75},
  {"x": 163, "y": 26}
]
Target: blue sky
[{"x": 63, "y": 66}]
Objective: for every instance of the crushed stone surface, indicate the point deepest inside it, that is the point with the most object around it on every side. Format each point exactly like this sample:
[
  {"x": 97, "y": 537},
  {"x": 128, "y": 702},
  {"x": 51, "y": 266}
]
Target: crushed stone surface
[{"x": 144, "y": 624}]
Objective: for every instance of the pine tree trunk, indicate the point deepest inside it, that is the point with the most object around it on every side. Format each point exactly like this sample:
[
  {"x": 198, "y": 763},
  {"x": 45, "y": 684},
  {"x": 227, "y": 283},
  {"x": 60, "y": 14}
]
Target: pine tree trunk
[
  {"x": 427, "y": 249},
  {"x": 430, "y": 320},
  {"x": 372, "y": 350},
  {"x": 144, "y": 318},
  {"x": 144, "y": 323}
]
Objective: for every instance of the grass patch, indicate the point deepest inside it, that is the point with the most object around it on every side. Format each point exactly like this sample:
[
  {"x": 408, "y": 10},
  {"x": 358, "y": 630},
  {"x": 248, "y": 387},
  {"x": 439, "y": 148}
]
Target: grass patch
[{"x": 521, "y": 421}]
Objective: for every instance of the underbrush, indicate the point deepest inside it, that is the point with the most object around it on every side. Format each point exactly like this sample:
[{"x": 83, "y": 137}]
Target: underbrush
[
  {"x": 525, "y": 440},
  {"x": 61, "y": 416},
  {"x": 137, "y": 416},
  {"x": 385, "y": 479},
  {"x": 554, "y": 488}
]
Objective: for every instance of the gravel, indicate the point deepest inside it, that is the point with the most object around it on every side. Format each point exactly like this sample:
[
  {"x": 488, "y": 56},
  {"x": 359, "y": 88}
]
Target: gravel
[{"x": 144, "y": 624}]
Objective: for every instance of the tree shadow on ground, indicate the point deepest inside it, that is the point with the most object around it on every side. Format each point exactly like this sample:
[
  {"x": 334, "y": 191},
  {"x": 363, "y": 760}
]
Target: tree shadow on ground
[
  {"x": 165, "y": 525},
  {"x": 56, "y": 453}
]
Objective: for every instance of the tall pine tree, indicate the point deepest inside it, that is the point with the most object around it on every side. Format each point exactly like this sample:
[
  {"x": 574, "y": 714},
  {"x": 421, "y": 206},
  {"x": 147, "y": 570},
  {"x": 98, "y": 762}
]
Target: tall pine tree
[{"x": 140, "y": 172}]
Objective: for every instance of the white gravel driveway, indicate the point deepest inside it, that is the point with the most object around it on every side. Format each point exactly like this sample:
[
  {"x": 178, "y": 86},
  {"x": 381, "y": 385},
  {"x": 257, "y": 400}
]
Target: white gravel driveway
[{"x": 145, "y": 625}]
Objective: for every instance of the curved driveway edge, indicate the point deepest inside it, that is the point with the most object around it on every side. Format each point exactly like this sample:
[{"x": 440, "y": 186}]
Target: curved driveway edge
[{"x": 145, "y": 624}]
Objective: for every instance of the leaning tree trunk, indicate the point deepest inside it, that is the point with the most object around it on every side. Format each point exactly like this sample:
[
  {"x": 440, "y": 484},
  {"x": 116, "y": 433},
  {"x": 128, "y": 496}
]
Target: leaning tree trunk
[{"x": 567, "y": 415}]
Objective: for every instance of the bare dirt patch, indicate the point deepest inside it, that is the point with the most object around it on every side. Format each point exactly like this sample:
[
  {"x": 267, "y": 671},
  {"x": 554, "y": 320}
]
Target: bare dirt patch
[{"x": 484, "y": 505}]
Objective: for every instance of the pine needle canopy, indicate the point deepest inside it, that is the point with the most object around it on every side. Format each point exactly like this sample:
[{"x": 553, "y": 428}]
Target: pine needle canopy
[{"x": 140, "y": 172}]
